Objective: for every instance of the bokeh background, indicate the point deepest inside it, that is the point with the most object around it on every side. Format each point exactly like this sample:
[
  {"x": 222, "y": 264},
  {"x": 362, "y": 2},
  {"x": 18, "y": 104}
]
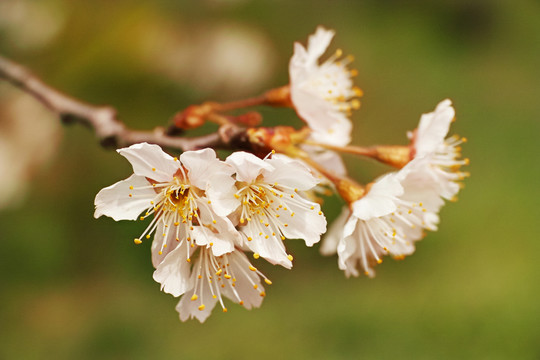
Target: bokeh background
[{"x": 72, "y": 287}]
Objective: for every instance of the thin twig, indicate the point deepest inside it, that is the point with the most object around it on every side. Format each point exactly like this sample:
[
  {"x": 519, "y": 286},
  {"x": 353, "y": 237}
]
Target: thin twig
[{"x": 102, "y": 119}]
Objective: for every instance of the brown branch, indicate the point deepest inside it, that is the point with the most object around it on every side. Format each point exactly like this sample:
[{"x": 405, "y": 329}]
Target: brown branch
[{"x": 102, "y": 119}]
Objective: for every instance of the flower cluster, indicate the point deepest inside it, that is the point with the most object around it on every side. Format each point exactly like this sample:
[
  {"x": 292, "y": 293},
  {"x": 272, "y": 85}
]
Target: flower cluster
[{"x": 207, "y": 213}]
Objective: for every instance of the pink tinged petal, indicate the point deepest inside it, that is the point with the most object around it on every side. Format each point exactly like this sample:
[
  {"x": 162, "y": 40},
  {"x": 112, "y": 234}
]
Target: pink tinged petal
[
  {"x": 335, "y": 233},
  {"x": 291, "y": 173},
  {"x": 115, "y": 200},
  {"x": 248, "y": 167},
  {"x": 380, "y": 199},
  {"x": 150, "y": 161},
  {"x": 205, "y": 237},
  {"x": 174, "y": 272},
  {"x": 433, "y": 128}
]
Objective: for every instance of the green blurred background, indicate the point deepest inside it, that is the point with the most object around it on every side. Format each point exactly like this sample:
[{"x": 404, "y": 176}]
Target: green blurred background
[{"x": 73, "y": 287}]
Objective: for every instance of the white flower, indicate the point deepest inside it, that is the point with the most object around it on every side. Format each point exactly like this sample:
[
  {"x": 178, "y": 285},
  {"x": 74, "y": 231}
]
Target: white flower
[
  {"x": 209, "y": 280},
  {"x": 323, "y": 94},
  {"x": 178, "y": 193},
  {"x": 270, "y": 205},
  {"x": 444, "y": 162},
  {"x": 387, "y": 220}
]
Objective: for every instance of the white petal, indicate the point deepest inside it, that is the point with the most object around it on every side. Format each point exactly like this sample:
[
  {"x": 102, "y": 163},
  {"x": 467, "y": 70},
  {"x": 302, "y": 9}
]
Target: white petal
[
  {"x": 305, "y": 224},
  {"x": 247, "y": 166},
  {"x": 335, "y": 233},
  {"x": 150, "y": 161},
  {"x": 245, "y": 279},
  {"x": 271, "y": 249},
  {"x": 330, "y": 160},
  {"x": 289, "y": 172},
  {"x": 319, "y": 42},
  {"x": 380, "y": 199},
  {"x": 174, "y": 272},
  {"x": 204, "y": 168},
  {"x": 433, "y": 128},
  {"x": 114, "y": 201},
  {"x": 188, "y": 308},
  {"x": 165, "y": 235},
  {"x": 205, "y": 237}
]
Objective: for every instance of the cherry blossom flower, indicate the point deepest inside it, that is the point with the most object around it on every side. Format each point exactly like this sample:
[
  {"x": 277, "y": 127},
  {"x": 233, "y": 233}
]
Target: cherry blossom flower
[
  {"x": 270, "y": 205},
  {"x": 444, "y": 155},
  {"x": 178, "y": 194},
  {"x": 209, "y": 280},
  {"x": 386, "y": 220},
  {"x": 323, "y": 94}
]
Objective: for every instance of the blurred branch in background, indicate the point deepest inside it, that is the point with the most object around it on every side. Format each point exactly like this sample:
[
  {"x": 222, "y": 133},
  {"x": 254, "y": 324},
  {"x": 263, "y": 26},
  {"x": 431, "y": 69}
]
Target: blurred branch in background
[{"x": 102, "y": 119}]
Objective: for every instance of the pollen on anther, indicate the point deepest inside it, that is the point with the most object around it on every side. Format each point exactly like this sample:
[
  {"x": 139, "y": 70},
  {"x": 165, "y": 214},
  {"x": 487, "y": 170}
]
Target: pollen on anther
[
  {"x": 201, "y": 308},
  {"x": 160, "y": 253},
  {"x": 268, "y": 281},
  {"x": 255, "y": 286},
  {"x": 290, "y": 257},
  {"x": 252, "y": 268},
  {"x": 130, "y": 187},
  {"x": 137, "y": 241},
  {"x": 224, "y": 309},
  {"x": 153, "y": 169},
  {"x": 256, "y": 255},
  {"x": 194, "y": 297},
  {"x": 148, "y": 236}
]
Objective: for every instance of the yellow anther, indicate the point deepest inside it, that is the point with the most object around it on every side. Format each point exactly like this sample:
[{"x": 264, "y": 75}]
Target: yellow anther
[
  {"x": 241, "y": 302},
  {"x": 227, "y": 276},
  {"x": 256, "y": 255},
  {"x": 160, "y": 253},
  {"x": 224, "y": 309},
  {"x": 255, "y": 286},
  {"x": 188, "y": 260},
  {"x": 165, "y": 245},
  {"x": 142, "y": 218},
  {"x": 201, "y": 308},
  {"x": 214, "y": 221},
  {"x": 339, "y": 52},
  {"x": 292, "y": 214},
  {"x": 282, "y": 237},
  {"x": 131, "y": 187},
  {"x": 320, "y": 212},
  {"x": 200, "y": 276},
  {"x": 313, "y": 208},
  {"x": 379, "y": 261},
  {"x": 130, "y": 195},
  {"x": 194, "y": 297},
  {"x": 211, "y": 244},
  {"x": 273, "y": 151},
  {"x": 175, "y": 159},
  {"x": 262, "y": 293},
  {"x": 176, "y": 223},
  {"x": 219, "y": 272},
  {"x": 137, "y": 241},
  {"x": 467, "y": 161},
  {"x": 353, "y": 72},
  {"x": 268, "y": 281},
  {"x": 236, "y": 196},
  {"x": 209, "y": 202},
  {"x": 290, "y": 257},
  {"x": 250, "y": 238},
  {"x": 266, "y": 237},
  {"x": 153, "y": 169},
  {"x": 252, "y": 268},
  {"x": 148, "y": 236}
]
